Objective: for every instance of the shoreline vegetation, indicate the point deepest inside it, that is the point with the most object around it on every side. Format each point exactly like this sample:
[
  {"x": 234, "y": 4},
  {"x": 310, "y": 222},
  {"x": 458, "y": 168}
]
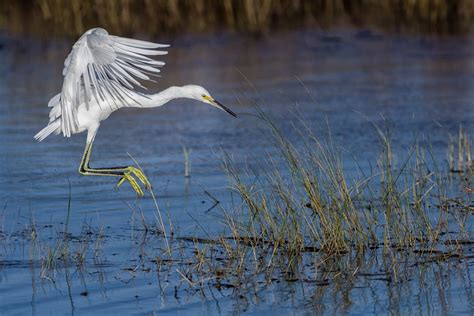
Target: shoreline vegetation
[{"x": 126, "y": 17}]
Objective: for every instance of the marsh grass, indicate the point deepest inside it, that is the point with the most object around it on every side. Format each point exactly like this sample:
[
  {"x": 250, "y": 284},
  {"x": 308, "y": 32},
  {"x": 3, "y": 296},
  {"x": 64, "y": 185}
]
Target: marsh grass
[
  {"x": 460, "y": 153},
  {"x": 53, "y": 254},
  {"x": 311, "y": 205},
  {"x": 187, "y": 162}
]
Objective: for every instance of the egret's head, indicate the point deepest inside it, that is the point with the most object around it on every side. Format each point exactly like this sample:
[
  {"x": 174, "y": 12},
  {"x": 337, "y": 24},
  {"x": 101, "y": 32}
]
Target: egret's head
[{"x": 201, "y": 94}]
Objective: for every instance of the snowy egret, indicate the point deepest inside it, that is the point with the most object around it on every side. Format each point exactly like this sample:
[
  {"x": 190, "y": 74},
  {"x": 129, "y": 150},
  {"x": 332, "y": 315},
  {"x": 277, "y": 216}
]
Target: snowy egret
[{"x": 100, "y": 76}]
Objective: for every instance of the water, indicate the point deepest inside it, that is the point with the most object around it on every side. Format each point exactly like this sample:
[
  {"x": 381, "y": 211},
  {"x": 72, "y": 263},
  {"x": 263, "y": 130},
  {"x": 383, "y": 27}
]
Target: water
[{"x": 348, "y": 78}]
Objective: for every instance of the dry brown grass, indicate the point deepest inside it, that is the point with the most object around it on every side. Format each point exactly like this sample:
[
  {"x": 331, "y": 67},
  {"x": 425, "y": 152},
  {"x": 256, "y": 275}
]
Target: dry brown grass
[{"x": 164, "y": 16}]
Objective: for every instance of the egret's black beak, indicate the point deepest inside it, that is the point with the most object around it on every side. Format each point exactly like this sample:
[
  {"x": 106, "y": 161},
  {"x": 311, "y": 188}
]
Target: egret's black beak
[{"x": 223, "y": 107}]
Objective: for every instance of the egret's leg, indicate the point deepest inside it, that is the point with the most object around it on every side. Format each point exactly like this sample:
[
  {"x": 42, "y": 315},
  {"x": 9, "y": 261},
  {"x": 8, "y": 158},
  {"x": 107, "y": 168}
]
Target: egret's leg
[{"x": 126, "y": 173}]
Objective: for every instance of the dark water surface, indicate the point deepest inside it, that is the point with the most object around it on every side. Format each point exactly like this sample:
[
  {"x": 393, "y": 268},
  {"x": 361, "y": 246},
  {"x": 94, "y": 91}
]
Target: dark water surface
[{"x": 416, "y": 86}]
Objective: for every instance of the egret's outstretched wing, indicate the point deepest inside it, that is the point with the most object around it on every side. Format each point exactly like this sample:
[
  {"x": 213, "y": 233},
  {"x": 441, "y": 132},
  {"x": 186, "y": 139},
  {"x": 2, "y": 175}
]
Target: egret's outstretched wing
[{"x": 106, "y": 68}]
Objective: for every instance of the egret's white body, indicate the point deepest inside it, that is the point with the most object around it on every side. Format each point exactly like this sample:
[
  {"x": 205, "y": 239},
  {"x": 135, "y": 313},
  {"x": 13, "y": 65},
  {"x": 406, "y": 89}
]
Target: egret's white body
[
  {"x": 100, "y": 75},
  {"x": 89, "y": 116}
]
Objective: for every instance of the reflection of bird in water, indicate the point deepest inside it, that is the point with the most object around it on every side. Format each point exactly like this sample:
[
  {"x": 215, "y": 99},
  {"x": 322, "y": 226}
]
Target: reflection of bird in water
[{"x": 100, "y": 74}]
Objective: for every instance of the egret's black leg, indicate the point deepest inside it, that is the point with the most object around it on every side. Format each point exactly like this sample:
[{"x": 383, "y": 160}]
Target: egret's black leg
[{"x": 124, "y": 172}]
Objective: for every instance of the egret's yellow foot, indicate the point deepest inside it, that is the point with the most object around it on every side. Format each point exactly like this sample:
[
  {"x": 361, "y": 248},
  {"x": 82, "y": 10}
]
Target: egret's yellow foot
[
  {"x": 141, "y": 176},
  {"x": 132, "y": 182},
  {"x": 128, "y": 175}
]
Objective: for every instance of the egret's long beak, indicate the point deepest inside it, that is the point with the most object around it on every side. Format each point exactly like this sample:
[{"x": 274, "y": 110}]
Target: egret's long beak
[
  {"x": 218, "y": 105},
  {"x": 223, "y": 107}
]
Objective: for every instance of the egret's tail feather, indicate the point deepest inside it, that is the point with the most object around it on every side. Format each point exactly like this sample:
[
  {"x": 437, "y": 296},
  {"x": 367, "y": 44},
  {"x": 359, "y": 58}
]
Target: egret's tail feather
[{"x": 50, "y": 128}]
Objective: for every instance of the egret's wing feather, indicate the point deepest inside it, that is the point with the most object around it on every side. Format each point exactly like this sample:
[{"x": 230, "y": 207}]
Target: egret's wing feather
[
  {"x": 54, "y": 100},
  {"x": 137, "y": 43},
  {"x": 106, "y": 68}
]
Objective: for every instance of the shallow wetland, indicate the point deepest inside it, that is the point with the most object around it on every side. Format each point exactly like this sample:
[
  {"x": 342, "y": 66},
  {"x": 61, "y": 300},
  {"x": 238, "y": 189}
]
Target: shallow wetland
[{"x": 344, "y": 186}]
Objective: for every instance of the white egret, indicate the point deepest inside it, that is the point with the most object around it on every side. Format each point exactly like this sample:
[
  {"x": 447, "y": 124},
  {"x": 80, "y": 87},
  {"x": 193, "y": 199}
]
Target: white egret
[{"x": 100, "y": 76}]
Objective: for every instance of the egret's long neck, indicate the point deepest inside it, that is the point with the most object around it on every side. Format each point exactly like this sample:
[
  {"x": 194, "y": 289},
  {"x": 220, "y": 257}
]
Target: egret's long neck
[{"x": 159, "y": 99}]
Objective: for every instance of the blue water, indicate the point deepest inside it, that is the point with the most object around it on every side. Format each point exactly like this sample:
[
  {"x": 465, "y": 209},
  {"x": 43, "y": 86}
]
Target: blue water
[{"x": 416, "y": 86}]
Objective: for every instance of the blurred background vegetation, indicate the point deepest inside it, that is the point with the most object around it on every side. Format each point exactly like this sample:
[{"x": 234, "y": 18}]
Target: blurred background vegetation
[{"x": 73, "y": 17}]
